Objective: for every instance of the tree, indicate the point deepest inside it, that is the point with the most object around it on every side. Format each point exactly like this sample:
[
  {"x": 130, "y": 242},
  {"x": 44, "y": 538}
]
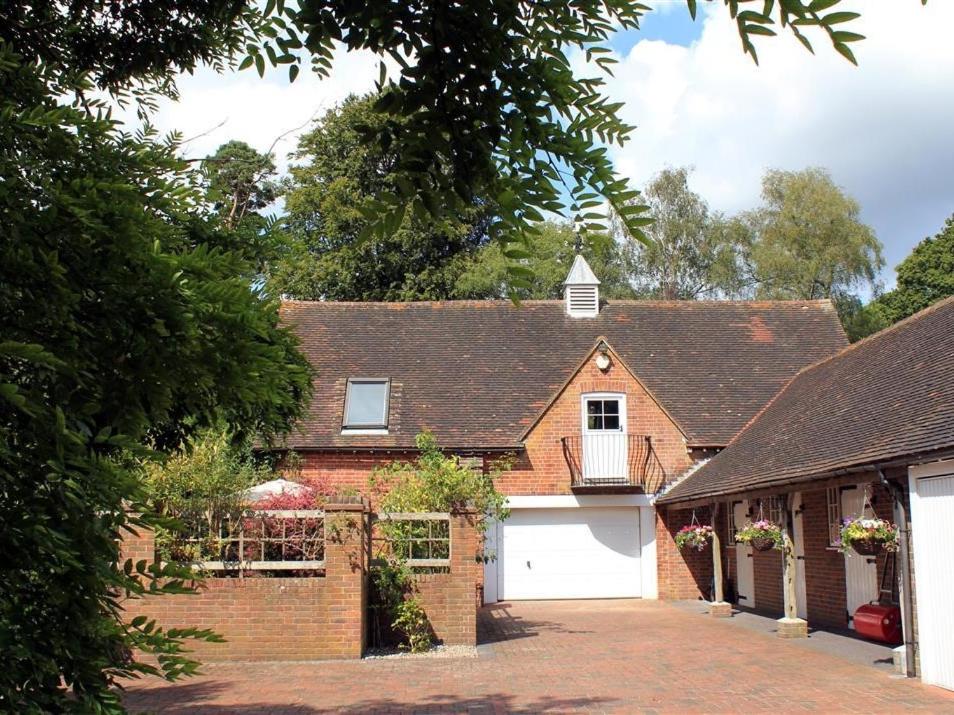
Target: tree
[
  {"x": 125, "y": 328},
  {"x": 550, "y": 254},
  {"x": 858, "y": 320},
  {"x": 807, "y": 240},
  {"x": 692, "y": 253},
  {"x": 329, "y": 257},
  {"x": 924, "y": 277},
  {"x": 489, "y": 105},
  {"x": 239, "y": 181}
]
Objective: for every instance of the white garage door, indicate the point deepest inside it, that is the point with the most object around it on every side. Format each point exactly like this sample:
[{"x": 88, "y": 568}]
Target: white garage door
[
  {"x": 569, "y": 553},
  {"x": 932, "y": 508}
]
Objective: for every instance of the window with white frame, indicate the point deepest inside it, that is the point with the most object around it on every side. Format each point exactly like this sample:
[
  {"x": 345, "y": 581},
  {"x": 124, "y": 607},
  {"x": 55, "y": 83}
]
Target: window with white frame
[
  {"x": 730, "y": 522},
  {"x": 834, "y": 516},
  {"x": 366, "y": 403},
  {"x": 772, "y": 509}
]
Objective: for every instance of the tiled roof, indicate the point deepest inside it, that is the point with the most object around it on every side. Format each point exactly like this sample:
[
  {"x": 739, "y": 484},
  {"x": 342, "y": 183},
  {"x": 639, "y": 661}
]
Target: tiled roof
[
  {"x": 478, "y": 373},
  {"x": 887, "y": 397}
]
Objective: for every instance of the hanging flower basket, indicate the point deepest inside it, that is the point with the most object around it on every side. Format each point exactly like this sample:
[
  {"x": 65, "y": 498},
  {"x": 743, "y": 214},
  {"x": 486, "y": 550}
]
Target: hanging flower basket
[
  {"x": 761, "y": 535},
  {"x": 693, "y": 536},
  {"x": 868, "y": 536},
  {"x": 867, "y": 547},
  {"x": 763, "y": 543}
]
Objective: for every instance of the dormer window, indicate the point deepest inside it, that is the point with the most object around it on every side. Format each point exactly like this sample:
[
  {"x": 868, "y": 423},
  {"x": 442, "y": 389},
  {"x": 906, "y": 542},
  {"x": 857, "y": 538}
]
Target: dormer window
[{"x": 366, "y": 404}]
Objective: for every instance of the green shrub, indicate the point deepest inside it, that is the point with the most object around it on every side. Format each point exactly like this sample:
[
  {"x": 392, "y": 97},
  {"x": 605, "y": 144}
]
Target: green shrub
[{"x": 410, "y": 619}]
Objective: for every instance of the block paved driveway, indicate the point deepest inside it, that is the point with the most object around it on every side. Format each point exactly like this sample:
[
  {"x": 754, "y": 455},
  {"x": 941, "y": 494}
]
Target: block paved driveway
[{"x": 590, "y": 656}]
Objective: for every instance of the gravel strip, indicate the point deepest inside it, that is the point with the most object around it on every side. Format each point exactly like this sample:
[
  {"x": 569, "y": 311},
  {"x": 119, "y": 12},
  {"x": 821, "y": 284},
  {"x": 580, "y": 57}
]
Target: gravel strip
[{"x": 438, "y": 651}]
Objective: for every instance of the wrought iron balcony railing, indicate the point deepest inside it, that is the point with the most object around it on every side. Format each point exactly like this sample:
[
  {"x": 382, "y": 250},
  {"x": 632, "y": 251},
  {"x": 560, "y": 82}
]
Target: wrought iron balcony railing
[{"x": 613, "y": 460}]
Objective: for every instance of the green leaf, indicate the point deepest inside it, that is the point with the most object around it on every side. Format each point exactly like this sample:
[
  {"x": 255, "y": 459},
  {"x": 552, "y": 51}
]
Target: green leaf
[
  {"x": 838, "y": 17},
  {"x": 846, "y": 52}
]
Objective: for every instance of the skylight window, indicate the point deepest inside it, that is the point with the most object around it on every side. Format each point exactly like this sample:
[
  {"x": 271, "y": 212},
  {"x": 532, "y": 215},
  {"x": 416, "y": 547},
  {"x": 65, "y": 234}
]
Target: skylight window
[{"x": 366, "y": 403}]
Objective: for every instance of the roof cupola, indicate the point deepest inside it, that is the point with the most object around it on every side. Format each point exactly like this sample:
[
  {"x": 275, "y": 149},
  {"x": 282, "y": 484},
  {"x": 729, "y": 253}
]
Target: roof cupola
[{"x": 581, "y": 290}]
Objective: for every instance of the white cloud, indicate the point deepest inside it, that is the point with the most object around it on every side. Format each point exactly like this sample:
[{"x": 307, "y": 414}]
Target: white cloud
[
  {"x": 883, "y": 129},
  {"x": 257, "y": 110}
]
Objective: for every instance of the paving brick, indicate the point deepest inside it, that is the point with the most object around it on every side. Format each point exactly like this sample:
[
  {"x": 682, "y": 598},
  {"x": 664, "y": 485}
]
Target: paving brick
[{"x": 583, "y": 656}]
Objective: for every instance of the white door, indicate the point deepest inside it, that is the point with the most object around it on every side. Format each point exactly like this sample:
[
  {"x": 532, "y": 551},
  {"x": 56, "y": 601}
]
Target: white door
[
  {"x": 569, "y": 553},
  {"x": 861, "y": 572},
  {"x": 932, "y": 509},
  {"x": 801, "y": 592},
  {"x": 605, "y": 445},
  {"x": 744, "y": 563}
]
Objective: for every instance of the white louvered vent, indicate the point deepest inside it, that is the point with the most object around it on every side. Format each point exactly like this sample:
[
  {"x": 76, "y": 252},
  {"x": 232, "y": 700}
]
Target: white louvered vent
[
  {"x": 582, "y": 291},
  {"x": 582, "y": 301}
]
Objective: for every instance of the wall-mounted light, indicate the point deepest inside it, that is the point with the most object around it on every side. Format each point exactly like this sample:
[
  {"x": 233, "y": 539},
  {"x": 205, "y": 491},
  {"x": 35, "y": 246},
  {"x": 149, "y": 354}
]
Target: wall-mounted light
[{"x": 603, "y": 361}]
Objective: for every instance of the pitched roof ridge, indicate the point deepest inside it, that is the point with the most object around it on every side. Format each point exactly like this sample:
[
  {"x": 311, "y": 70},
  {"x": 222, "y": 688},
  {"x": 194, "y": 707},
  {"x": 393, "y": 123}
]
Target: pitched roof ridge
[
  {"x": 559, "y": 301},
  {"x": 717, "y": 301},
  {"x": 411, "y": 303}
]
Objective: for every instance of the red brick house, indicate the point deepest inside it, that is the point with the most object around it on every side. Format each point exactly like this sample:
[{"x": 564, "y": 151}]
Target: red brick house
[
  {"x": 601, "y": 402},
  {"x": 867, "y": 432}
]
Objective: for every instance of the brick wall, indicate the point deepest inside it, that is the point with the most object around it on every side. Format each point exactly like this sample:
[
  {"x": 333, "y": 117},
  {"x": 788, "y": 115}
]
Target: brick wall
[
  {"x": 543, "y": 469},
  {"x": 346, "y": 472},
  {"x": 683, "y": 574},
  {"x": 824, "y": 565},
  {"x": 316, "y": 617},
  {"x": 275, "y": 619},
  {"x": 450, "y": 599},
  {"x": 768, "y": 582}
]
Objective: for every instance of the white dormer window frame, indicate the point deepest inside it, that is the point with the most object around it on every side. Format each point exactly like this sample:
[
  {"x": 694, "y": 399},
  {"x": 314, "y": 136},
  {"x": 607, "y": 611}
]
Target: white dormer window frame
[{"x": 352, "y": 419}]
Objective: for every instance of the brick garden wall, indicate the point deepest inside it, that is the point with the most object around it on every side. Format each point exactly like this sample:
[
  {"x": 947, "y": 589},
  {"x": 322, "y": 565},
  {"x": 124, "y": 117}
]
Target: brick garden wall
[
  {"x": 278, "y": 619},
  {"x": 314, "y": 617},
  {"x": 450, "y": 599}
]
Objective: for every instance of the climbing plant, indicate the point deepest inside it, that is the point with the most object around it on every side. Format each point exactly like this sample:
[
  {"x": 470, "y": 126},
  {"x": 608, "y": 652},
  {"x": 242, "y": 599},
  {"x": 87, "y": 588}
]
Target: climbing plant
[{"x": 433, "y": 482}]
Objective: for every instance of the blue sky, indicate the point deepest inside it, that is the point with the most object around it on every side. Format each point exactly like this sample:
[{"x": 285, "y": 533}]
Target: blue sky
[
  {"x": 671, "y": 24},
  {"x": 881, "y": 129}
]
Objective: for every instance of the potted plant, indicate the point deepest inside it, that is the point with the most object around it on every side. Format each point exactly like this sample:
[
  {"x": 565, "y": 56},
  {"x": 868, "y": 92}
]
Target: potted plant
[
  {"x": 761, "y": 535},
  {"x": 868, "y": 536},
  {"x": 693, "y": 536}
]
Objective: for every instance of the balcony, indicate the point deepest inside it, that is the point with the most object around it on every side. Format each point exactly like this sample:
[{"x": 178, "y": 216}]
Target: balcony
[{"x": 613, "y": 462}]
